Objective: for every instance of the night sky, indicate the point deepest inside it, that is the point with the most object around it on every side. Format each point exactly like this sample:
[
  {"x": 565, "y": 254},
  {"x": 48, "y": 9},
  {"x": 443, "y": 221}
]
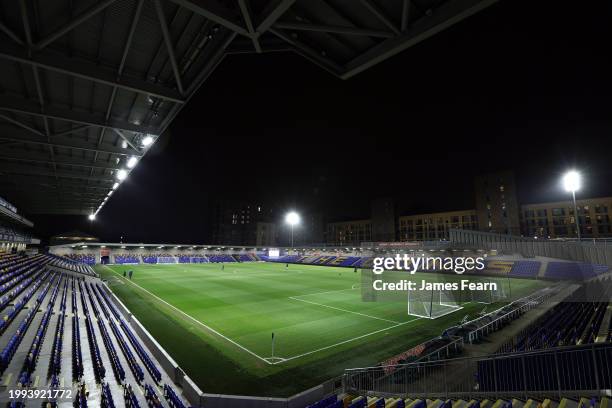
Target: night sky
[{"x": 523, "y": 85}]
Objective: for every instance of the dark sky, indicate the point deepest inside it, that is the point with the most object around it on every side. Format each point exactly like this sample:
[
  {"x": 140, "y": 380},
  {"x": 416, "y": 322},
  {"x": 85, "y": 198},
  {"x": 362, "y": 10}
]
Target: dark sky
[{"x": 524, "y": 85}]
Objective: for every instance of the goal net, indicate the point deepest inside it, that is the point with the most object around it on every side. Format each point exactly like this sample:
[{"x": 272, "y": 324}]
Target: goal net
[
  {"x": 432, "y": 304},
  {"x": 166, "y": 259},
  {"x": 498, "y": 293}
]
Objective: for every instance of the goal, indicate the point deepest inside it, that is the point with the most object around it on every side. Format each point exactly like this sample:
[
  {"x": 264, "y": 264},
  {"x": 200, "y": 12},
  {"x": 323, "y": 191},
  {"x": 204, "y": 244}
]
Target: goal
[
  {"x": 166, "y": 259},
  {"x": 432, "y": 304},
  {"x": 499, "y": 293}
]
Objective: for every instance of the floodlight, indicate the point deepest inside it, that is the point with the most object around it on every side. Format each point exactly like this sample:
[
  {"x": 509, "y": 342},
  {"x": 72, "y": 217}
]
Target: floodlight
[
  {"x": 292, "y": 218},
  {"x": 121, "y": 174},
  {"x": 132, "y": 162},
  {"x": 92, "y": 217},
  {"x": 148, "y": 140},
  {"x": 124, "y": 144},
  {"x": 572, "y": 181},
  {"x": 115, "y": 186}
]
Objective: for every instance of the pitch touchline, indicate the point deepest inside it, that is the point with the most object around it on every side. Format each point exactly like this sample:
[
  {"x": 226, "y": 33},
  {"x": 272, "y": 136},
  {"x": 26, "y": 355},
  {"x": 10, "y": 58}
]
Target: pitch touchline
[
  {"x": 265, "y": 359},
  {"x": 194, "y": 319},
  {"x": 343, "y": 310}
]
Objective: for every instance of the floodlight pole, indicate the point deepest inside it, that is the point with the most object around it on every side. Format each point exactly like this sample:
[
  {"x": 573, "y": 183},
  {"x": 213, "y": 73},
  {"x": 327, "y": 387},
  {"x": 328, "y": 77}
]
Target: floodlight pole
[
  {"x": 576, "y": 214},
  {"x": 292, "y": 236}
]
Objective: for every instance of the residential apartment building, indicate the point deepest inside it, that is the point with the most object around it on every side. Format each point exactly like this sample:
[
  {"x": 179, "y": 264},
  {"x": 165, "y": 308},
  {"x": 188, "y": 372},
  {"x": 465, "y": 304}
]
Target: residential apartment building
[
  {"x": 349, "y": 232},
  {"x": 497, "y": 206},
  {"x": 557, "y": 219},
  {"x": 435, "y": 226}
]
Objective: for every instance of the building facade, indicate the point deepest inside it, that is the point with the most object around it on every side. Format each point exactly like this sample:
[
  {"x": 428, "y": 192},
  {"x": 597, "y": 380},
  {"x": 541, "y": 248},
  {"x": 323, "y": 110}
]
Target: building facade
[
  {"x": 557, "y": 219},
  {"x": 497, "y": 206},
  {"x": 383, "y": 219},
  {"x": 266, "y": 234},
  {"x": 435, "y": 226},
  {"x": 349, "y": 232},
  {"x": 240, "y": 223}
]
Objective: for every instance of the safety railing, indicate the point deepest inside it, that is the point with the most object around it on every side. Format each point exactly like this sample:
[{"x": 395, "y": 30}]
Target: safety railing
[{"x": 561, "y": 372}]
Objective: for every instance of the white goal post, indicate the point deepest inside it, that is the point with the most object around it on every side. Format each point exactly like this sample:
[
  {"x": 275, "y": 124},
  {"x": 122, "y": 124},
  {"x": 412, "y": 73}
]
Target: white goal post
[{"x": 432, "y": 304}]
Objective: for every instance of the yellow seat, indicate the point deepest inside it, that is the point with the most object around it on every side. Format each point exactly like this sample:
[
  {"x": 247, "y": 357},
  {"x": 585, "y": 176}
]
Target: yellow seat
[
  {"x": 346, "y": 401},
  {"x": 567, "y": 403},
  {"x": 372, "y": 402},
  {"x": 434, "y": 403},
  {"x": 413, "y": 403},
  {"x": 391, "y": 402},
  {"x": 460, "y": 404}
]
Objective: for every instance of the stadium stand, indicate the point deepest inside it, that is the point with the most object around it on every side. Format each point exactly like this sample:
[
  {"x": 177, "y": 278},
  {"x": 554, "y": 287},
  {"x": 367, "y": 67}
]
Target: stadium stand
[
  {"x": 373, "y": 401},
  {"x": 525, "y": 269},
  {"x": 70, "y": 264},
  {"x": 112, "y": 343},
  {"x": 574, "y": 270},
  {"x": 221, "y": 258},
  {"x": 126, "y": 259},
  {"x": 36, "y": 322},
  {"x": 88, "y": 259},
  {"x": 572, "y": 322}
]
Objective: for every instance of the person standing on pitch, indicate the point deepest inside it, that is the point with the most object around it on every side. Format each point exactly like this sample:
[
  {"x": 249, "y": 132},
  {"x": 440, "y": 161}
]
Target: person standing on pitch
[
  {"x": 130, "y": 273},
  {"x": 222, "y": 266}
]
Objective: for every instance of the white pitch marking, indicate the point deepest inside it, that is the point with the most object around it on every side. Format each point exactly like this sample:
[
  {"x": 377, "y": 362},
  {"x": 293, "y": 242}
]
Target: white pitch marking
[
  {"x": 346, "y": 341},
  {"x": 265, "y": 359},
  {"x": 324, "y": 293},
  {"x": 196, "y": 320},
  {"x": 344, "y": 310}
]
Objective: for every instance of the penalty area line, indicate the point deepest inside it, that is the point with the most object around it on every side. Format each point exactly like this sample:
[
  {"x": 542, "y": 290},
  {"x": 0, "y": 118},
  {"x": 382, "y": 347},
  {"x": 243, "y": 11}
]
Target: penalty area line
[
  {"x": 328, "y": 291},
  {"x": 343, "y": 310},
  {"x": 345, "y": 341},
  {"x": 195, "y": 320}
]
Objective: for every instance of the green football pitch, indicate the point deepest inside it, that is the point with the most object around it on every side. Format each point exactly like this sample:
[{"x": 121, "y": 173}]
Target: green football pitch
[{"x": 217, "y": 322}]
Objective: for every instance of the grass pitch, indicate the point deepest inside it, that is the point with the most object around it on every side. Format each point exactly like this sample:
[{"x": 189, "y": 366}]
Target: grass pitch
[{"x": 217, "y": 322}]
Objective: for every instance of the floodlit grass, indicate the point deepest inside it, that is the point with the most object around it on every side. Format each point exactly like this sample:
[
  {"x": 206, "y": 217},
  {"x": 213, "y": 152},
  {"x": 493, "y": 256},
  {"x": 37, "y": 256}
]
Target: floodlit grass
[{"x": 218, "y": 323}]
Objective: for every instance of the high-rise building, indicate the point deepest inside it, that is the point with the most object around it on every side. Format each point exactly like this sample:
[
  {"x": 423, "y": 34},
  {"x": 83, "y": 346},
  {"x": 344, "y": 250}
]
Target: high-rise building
[
  {"x": 384, "y": 222},
  {"x": 497, "y": 208},
  {"x": 349, "y": 233},
  {"x": 241, "y": 223}
]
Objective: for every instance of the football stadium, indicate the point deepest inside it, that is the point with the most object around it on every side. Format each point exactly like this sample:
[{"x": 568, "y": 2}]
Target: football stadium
[{"x": 287, "y": 227}]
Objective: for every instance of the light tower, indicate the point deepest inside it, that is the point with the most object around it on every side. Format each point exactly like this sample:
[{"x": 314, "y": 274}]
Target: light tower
[
  {"x": 572, "y": 183},
  {"x": 292, "y": 218}
]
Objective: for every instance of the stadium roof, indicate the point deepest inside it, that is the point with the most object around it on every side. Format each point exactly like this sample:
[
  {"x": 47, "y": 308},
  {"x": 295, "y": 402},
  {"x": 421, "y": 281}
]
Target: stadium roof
[{"x": 88, "y": 85}]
